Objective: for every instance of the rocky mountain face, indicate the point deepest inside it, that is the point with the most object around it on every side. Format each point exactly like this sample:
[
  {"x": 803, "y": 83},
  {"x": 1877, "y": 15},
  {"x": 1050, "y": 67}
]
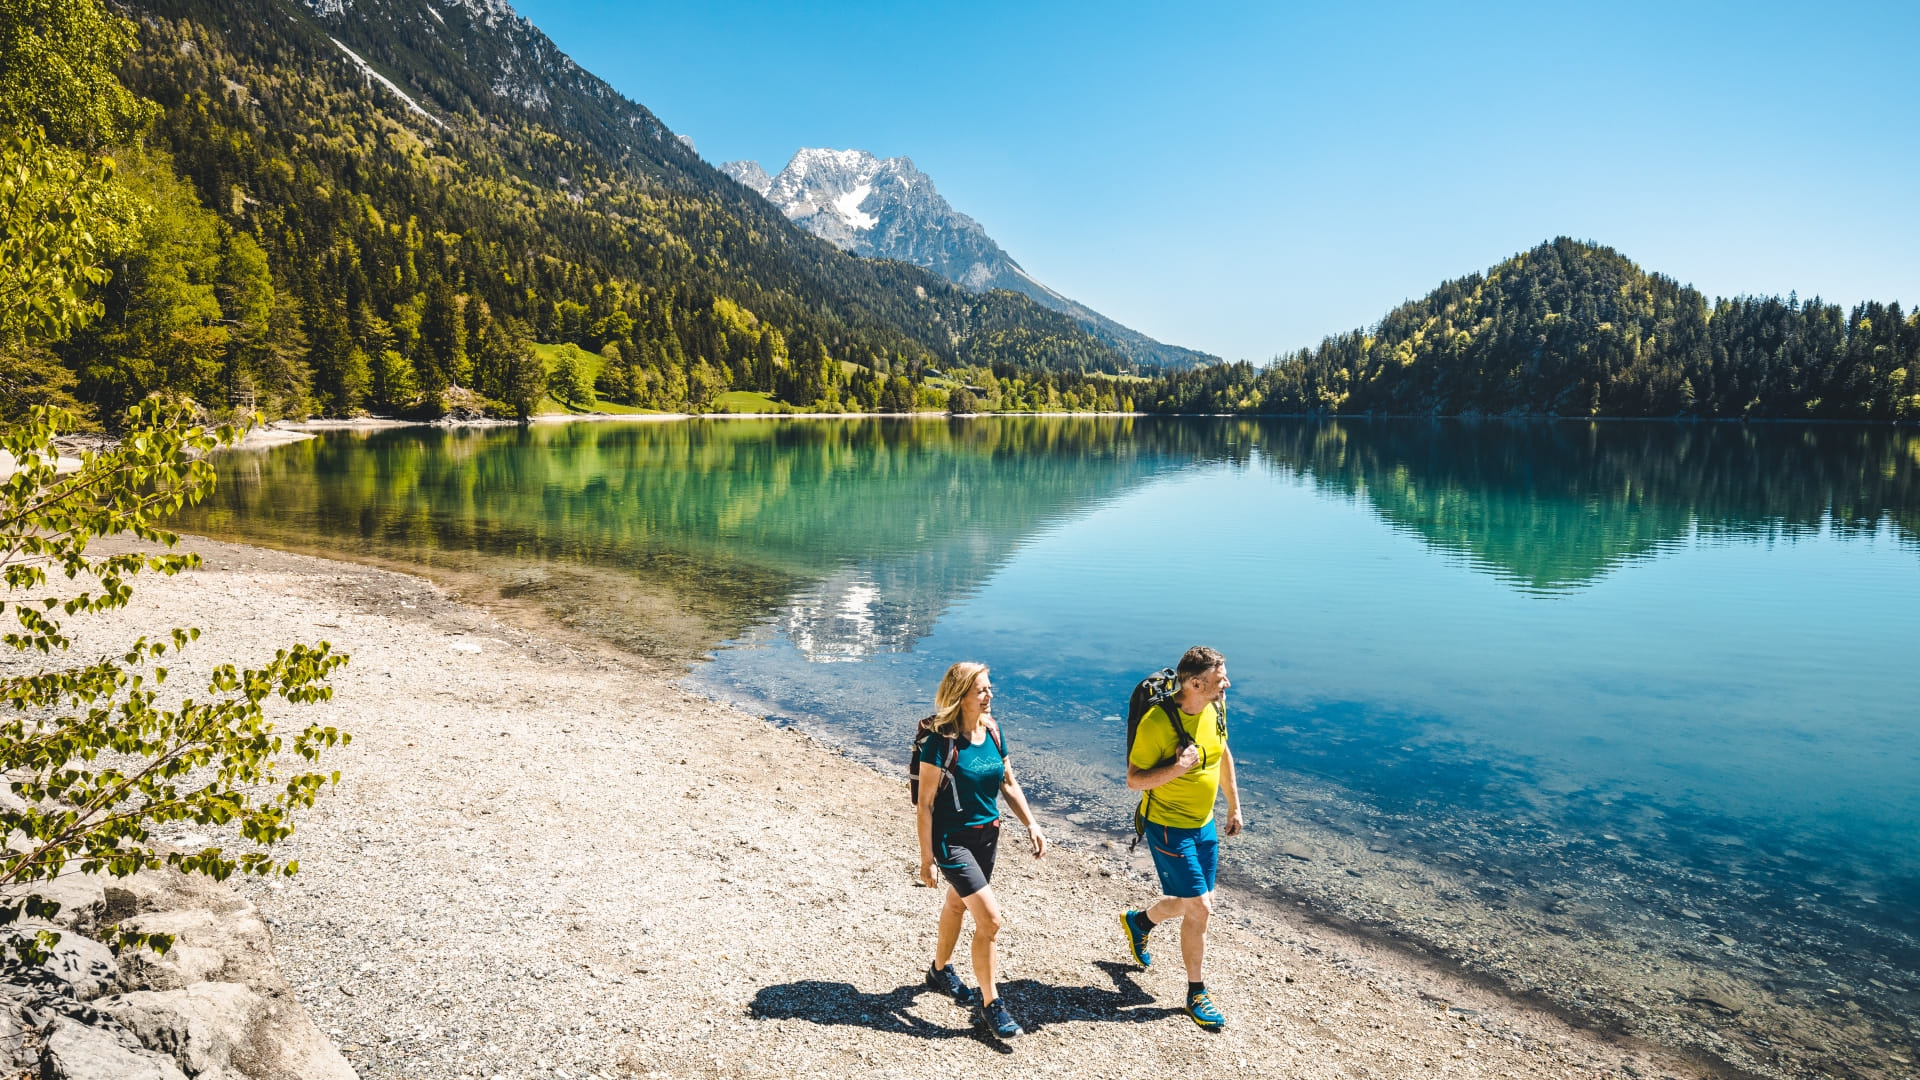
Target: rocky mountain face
[{"x": 885, "y": 208}]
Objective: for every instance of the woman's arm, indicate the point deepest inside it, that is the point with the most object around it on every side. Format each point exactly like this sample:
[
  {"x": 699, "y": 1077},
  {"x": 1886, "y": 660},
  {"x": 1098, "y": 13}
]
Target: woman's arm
[
  {"x": 1017, "y": 799},
  {"x": 930, "y": 775}
]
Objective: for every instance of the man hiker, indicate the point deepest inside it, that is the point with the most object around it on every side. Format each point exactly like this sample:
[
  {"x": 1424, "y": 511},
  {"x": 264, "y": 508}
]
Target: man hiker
[{"x": 1181, "y": 777}]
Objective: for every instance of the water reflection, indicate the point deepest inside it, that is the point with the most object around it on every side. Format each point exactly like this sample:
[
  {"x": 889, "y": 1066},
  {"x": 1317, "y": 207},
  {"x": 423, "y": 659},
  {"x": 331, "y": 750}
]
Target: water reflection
[{"x": 1549, "y": 506}]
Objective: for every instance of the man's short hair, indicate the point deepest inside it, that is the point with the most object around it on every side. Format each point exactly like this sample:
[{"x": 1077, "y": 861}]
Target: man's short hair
[{"x": 1198, "y": 661}]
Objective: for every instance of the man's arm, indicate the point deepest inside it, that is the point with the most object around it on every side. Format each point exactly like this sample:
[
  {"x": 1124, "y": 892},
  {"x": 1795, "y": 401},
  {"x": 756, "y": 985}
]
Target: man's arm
[
  {"x": 1139, "y": 779},
  {"x": 1230, "y": 787}
]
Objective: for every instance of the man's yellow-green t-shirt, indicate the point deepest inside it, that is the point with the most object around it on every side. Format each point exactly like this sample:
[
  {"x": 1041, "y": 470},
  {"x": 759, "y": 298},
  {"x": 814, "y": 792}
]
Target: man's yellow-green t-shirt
[{"x": 1186, "y": 801}]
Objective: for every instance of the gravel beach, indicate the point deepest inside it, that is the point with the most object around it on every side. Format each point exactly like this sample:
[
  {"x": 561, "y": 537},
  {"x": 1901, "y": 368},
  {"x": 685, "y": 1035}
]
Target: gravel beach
[{"x": 546, "y": 858}]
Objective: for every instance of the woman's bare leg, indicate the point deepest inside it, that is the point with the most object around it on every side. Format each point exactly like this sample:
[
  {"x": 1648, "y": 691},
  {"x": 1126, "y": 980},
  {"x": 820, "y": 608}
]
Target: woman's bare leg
[
  {"x": 951, "y": 912},
  {"x": 986, "y": 932}
]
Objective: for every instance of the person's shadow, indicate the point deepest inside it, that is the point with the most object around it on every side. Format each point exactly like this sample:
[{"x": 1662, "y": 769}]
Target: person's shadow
[{"x": 1035, "y": 1004}]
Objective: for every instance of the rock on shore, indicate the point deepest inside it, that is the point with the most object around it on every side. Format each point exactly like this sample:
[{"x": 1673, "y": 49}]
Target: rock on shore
[{"x": 215, "y": 1007}]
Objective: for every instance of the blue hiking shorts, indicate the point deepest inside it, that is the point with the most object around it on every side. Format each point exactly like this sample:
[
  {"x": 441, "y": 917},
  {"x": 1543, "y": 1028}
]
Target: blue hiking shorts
[{"x": 1186, "y": 859}]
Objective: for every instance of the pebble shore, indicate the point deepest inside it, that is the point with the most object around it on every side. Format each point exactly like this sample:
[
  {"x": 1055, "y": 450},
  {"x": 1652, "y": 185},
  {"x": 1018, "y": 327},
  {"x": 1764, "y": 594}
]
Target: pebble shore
[{"x": 548, "y": 859}]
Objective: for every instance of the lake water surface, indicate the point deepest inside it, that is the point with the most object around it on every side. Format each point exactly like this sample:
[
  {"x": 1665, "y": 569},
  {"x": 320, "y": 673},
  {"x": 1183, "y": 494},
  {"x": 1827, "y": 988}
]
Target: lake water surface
[{"x": 1620, "y": 715}]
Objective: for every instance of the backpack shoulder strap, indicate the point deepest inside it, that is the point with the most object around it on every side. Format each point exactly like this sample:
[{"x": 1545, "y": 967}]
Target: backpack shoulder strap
[
  {"x": 1181, "y": 737},
  {"x": 993, "y": 729}
]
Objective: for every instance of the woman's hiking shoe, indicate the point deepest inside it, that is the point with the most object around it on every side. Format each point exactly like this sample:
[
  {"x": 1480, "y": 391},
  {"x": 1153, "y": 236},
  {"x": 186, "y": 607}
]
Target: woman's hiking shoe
[
  {"x": 1200, "y": 1007},
  {"x": 947, "y": 981},
  {"x": 1136, "y": 937},
  {"x": 997, "y": 1019}
]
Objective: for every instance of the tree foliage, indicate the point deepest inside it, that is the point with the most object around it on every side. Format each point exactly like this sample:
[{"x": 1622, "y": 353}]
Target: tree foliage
[
  {"x": 59, "y": 211},
  {"x": 95, "y": 756},
  {"x": 58, "y": 73}
]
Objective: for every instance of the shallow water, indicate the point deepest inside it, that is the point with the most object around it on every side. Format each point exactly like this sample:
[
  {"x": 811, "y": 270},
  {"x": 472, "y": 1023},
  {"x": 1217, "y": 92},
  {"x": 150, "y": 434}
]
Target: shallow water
[{"x": 1621, "y": 715}]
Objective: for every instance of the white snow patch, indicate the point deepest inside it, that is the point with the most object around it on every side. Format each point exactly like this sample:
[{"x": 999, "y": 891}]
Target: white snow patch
[
  {"x": 367, "y": 70},
  {"x": 848, "y": 207},
  {"x": 439, "y": 18}
]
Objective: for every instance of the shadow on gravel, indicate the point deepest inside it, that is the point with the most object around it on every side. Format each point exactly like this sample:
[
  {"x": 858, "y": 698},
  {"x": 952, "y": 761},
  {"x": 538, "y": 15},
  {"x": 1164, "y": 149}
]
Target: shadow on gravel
[{"x": 1035, "y": 1004}]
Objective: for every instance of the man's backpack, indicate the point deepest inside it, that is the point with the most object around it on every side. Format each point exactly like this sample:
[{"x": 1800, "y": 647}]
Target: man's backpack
[
  {"x": 947, "y": 760},
  {"x": 1159, "y": 688}
]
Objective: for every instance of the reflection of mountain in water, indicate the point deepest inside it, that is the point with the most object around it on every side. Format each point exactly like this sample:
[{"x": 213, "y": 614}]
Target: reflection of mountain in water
[
  {"x": 848, "y": 617},
  {"x": 1548, "y": 506},
  {"x": 862, "y": 531}
]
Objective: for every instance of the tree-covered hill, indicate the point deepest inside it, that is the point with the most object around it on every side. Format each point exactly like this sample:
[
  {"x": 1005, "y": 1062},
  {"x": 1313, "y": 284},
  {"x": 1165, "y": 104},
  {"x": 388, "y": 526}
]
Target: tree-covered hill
[
  {"x": 359, "y": 205},
  {"x": 1574, "y": 329}
]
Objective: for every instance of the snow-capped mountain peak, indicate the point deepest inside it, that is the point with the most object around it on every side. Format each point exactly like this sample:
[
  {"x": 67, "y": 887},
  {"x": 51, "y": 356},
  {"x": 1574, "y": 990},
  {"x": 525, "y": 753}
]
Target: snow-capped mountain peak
[{"x": 885, "y": 208}]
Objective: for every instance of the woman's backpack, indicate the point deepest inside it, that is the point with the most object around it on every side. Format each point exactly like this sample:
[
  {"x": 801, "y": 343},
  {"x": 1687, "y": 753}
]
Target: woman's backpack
[{"x": 947, "y": 760}]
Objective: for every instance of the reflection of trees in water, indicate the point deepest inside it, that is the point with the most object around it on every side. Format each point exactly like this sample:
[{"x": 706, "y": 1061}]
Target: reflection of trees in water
[
  {"x": 1553, "y": 505},
  {"x": 859, "y": 533},
  {"x": 862, "y": 531}
]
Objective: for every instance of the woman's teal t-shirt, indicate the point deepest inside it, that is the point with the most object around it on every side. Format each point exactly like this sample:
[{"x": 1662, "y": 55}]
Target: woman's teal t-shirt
[{"x": 977, "y": 774}]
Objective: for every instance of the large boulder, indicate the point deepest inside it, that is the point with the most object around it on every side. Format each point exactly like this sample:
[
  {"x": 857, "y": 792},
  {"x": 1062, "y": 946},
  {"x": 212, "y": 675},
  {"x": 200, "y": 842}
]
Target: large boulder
[
  {"x": 77, "y": 1051},
  {"x": 79, "y": 967},
  {"x": 208, "y": 946},
  {"x": 82, "y": 899},
  {"x": 213, "y": 1007},
  {"x": 217, "y": 1027}
]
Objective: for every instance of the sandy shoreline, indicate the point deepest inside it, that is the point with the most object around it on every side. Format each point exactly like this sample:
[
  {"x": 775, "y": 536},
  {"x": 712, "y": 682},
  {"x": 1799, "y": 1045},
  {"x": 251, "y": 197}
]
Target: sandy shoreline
[{"x": 546, "y": 859}]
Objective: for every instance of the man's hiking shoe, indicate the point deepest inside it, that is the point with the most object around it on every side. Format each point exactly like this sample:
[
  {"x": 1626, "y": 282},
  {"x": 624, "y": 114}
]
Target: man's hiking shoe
[
  {"x": 947, "y": 981},
  {"x": 1200, "y": 1007},
  {"x": 1136, "y": 937},
  {"x": 996, "y": 1019}
]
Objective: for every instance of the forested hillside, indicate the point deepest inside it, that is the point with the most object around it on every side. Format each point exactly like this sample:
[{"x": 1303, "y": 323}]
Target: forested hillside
[
  {"x": 1572, "y": 329},
  {"x": 330, "y": 208},
  {"x": 338, "y": 231}
]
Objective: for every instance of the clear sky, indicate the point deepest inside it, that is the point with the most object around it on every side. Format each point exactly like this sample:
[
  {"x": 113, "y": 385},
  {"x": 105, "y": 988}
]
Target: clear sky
[{"x": 1247, "y": 178}]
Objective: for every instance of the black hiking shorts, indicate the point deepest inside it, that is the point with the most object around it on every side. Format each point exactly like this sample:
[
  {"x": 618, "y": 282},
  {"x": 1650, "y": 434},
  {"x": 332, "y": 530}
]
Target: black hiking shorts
[{"x": 965, "y": 857}]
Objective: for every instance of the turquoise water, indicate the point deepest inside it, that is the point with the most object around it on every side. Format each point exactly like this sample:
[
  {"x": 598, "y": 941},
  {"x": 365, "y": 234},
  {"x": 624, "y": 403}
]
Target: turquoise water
[{"x": 1644, "y": 691}]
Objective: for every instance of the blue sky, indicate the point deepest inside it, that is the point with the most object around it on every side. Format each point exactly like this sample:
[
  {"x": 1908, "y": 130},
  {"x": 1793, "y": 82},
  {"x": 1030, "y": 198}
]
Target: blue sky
[{"x": 1247, "y": 178}]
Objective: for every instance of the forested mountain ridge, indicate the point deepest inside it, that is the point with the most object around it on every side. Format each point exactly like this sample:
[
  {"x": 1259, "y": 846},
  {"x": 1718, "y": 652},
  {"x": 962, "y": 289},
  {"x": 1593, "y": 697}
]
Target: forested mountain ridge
[
  {"x": 1576, "y": 329},
  {"x": 413, "y": 188}
]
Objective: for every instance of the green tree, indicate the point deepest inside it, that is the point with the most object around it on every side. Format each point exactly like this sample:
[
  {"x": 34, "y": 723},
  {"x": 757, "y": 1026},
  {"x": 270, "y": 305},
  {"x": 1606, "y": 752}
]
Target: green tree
[
  {"x": 59, "y": 64},
  {"x": 443, "y": 340},
  {"x": 615, "y": 380},
  {"x": 394, "y": 388},
  {"x": 523, "y": 379},
  {"x": 93, "y": 758},
  {"x": 961, "y": 402},
  {"x": 571, "y": 380},
  {"x": 161, "y": 324},
  {"x": 59, "y": 211}
]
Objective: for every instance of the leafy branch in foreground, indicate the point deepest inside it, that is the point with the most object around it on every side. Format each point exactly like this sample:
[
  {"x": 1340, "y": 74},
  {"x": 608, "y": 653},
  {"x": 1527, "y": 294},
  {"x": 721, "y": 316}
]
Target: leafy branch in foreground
[{"x": 94, "y": 758}]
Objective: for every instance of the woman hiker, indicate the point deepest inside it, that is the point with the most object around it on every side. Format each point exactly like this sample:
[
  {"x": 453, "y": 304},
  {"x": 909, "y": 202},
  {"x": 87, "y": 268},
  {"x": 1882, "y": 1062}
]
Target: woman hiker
[{"x": 963, "y": 773}]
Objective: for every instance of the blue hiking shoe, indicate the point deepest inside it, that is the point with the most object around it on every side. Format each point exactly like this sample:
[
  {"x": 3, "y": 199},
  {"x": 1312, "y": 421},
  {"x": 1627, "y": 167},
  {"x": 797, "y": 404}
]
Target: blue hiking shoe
[
  {"x": 946, "y": 981},
  {"x": 996, "y": 1019},
  {"x": 1136, "y": 937},
  {"x": 1200, "y": 1006}
]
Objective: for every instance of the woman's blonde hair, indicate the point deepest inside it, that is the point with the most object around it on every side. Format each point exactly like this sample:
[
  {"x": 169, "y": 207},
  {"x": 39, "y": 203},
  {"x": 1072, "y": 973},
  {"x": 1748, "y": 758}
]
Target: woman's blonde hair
[{"x": 954, "y": 688}]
